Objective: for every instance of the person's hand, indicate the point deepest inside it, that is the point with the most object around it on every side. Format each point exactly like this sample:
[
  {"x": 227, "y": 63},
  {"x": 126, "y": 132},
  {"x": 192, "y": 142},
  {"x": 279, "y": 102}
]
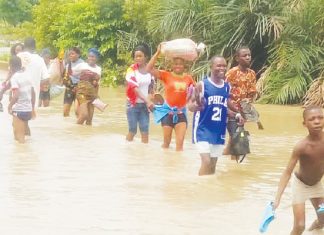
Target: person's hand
[
  {"x": 33, "y": 114},
  {"x": 159, "y": 48},
  {"x": 275, "y": 204},
  {"x": 190, "y": 92},
  {"x": 150, "y": 105},
  {"x": 240, "y": 119},
  {"x": 199, "y": 106}
]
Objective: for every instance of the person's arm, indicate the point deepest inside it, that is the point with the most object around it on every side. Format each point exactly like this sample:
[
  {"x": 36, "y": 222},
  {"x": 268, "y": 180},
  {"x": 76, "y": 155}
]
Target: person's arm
[
  {"x": 33, "y": 100},
  {"x": 150, "y": 65},
  {"x": 284, "y": 179},
  {"x": 147, "y": 101},
  {"x": 13, "y": 100},
  {"x": 234, "y": 112},
  {"x": 195, "y": 103},
  {"x": 5, "y": 85},
  {"x": 252, "y": 91}
]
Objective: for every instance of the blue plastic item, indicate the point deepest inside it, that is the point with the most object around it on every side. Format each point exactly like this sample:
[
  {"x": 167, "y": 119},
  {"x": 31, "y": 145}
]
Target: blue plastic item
[
  {"x": 320, "y": 210},
  {"x": 267, "y": 218}
]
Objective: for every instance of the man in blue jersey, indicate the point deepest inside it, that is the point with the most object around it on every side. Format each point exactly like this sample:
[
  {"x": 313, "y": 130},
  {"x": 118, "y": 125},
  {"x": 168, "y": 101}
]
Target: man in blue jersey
[{"x": 210, "y": 103}]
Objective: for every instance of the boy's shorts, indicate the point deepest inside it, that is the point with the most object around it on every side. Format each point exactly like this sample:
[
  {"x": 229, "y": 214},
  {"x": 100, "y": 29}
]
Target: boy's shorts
[
  {"x": 215, "y": 150},
  {"x": 301, "y": 192}
]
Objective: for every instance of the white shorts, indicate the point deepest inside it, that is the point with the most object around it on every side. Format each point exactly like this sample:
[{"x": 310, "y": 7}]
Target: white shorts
[
  {"x": 301, "y": 192},
  {"x": 215, "y": 150}
]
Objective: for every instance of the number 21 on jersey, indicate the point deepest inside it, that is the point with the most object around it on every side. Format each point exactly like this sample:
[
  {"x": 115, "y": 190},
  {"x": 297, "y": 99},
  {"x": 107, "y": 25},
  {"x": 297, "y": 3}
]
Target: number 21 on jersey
[{"x": 217, "y": 116}]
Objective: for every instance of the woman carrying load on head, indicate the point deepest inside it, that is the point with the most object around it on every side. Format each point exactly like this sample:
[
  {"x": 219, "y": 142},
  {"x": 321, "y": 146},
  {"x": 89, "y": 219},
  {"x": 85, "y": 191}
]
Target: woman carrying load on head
[
  {"x": 176, "y": 83},
  {"x": 87, "y": 88},
  {"x": 139, "y": 86}
]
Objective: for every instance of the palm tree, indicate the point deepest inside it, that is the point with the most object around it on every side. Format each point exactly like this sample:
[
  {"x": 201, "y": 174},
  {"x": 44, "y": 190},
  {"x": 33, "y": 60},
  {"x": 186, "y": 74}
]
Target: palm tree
[
  {"x": 222, "y": 25},
  {"x": 295, "y": 57},
  {"x": 285, "y": 37}
]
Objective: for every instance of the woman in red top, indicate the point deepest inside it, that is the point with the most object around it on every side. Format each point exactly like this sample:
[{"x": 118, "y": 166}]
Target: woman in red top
[{"x": 176, "y": 84}]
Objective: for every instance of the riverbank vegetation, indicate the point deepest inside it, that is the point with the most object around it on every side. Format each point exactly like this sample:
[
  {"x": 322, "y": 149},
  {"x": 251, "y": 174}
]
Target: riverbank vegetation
[{"x": 285, "y": 36}]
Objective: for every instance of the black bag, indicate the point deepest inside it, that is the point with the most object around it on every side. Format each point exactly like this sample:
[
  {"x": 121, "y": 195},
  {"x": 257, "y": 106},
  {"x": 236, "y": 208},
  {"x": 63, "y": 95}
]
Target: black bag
[{"x": 240, "y": 144}]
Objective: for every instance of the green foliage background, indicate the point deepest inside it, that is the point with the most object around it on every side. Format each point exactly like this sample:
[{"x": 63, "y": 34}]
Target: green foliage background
[{"x": 285, "y": 36}]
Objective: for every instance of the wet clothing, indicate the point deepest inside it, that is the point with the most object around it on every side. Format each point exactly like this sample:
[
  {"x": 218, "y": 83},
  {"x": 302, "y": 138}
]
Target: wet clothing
[
  {"x": 209, "y": 125},
  {"x": 24, "y": 116},
  {"x": 70, "y": 81},
  {"x": 168, "y": 120},
  {"x": 137, "y": 112},
  {"x": 176, "y": 88},
  {"x": 138, "y": 115},
  {"x": 23, "y": 82},
  {"x": 161, "y": 111},
  {"x": 301, "y": 191},
  {"x": 215, "y": 150},
  {"x": 136, "y": 79},
  {"x": 243, "y": 84},
  {"x": 36, "y": 67},
  {"x": 87, "y": 88}
]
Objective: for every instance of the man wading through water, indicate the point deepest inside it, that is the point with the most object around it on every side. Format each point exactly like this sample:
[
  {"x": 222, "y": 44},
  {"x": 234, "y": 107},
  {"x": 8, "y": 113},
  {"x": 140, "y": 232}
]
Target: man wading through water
[{"x": 210, "y": 103}]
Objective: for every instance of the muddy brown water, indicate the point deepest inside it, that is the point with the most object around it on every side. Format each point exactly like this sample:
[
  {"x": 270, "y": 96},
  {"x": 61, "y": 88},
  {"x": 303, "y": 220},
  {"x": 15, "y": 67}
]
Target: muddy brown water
[{"x": 70, "y": 179}]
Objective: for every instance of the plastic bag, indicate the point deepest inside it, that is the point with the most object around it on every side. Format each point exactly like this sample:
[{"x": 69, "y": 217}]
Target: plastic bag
[
  {"x": 56, "y": 90},
  {"x": 55, "y": 71},
  {"x": 183, "y": 48},
  {"x": 99, "y": 104}
]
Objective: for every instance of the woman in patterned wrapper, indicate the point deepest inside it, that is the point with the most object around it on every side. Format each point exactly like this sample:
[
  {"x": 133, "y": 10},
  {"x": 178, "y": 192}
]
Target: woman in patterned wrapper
[{"x": 87, "y": 88}]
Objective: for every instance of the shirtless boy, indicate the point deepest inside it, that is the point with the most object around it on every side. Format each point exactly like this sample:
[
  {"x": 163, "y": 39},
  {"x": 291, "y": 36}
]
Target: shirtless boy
[{"x": 306, "y": 181}]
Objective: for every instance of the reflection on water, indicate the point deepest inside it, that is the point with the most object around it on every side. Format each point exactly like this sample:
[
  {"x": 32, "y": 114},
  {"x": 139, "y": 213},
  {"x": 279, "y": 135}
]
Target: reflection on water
[{"x": 70, "y": 179}]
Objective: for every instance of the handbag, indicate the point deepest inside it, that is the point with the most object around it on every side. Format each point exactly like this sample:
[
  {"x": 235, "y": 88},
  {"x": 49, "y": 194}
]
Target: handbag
[{"x": 240, "y": 145}]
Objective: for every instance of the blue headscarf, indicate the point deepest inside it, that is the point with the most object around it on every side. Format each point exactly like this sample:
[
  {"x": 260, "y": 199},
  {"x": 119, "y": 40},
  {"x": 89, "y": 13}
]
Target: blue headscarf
[{"x": 95, "y": 52}]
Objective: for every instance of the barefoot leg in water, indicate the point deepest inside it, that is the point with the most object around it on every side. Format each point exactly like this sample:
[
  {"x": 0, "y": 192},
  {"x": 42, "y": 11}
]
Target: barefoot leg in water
[
  {"x": 299, "y": 219},
  {"x": 319, "y": 222},
  {"x": 180, "y": 132},
  {"x": 167, "y": 135}
]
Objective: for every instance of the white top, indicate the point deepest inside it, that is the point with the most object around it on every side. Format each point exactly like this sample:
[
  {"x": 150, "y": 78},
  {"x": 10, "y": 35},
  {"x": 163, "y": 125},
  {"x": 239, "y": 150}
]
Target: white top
[
  {"x": 85, "y": 66},
  {"x": 36, "y": 67},
  {"x": 75, "y": 78},
  {"x": 143, "y": 81},
  {"x": 23, "y": 82}
]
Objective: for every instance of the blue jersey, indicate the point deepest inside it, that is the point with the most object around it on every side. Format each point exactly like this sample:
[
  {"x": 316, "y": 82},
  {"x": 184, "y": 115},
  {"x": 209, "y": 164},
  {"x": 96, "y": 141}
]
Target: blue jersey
[{"x": 210, "y": 124}]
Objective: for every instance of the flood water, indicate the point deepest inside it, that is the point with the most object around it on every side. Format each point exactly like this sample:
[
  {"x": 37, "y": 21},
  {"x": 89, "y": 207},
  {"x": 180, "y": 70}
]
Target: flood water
[{"x": 70, "y": 179}]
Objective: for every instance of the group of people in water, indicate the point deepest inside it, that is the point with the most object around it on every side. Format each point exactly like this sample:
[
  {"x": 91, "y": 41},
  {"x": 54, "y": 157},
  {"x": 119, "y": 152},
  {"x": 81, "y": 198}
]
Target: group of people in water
[
  {"x": 30, "y": 81},
  {"x": 215, "y": 101},
  {"x": 217, "y": 105}
]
